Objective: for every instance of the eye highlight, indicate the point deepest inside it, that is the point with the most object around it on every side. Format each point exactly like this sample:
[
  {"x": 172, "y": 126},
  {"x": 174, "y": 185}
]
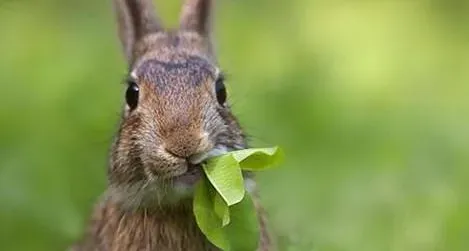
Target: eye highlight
[
  {"x": 220, "y": 90},
  {"x": 132, "y": 95}
]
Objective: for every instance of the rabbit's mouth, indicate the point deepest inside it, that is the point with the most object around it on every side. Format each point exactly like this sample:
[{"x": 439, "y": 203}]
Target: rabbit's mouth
[
  {"x": 194, "y": 173},
  {"x": 201, "y": 157},
  {"x": 186, "y": 182},
  {"x": 194, "y": 167}
]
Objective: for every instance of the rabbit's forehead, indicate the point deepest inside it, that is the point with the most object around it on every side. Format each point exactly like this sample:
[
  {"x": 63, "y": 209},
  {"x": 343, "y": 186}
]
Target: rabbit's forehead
[{"x": 189, "y": 71}]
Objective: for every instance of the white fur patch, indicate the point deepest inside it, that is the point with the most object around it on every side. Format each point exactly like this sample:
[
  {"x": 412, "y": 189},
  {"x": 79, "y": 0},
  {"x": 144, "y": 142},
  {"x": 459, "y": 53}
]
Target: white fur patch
[{"x": 133, "y": 74}]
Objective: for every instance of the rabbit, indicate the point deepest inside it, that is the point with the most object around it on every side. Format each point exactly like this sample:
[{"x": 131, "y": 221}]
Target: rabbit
[{"x": 175, "y": 116}]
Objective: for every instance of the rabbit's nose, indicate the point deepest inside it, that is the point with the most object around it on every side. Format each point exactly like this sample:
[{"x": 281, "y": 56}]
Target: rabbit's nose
[{"x": 182, "y": 145}]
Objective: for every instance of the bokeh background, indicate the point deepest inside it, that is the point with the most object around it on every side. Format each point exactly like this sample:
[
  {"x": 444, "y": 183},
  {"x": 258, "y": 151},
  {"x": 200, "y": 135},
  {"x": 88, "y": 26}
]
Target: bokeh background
[{"x": 370, "y": 100}]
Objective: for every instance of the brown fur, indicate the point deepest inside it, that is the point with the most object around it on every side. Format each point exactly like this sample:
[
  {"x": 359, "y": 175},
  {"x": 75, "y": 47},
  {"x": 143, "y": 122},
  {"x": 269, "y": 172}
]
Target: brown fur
[
  {"x": 145, "y": 229},
  {"x": 177, "y": 117}
]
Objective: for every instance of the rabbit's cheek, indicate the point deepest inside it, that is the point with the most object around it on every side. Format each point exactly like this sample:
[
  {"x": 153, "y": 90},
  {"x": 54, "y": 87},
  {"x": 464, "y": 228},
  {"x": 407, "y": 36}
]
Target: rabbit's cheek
[{"x": 167, "y": 170}]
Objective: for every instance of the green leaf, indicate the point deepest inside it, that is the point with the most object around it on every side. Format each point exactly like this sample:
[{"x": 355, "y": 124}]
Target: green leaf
[
  {"x": 224, "y": 212},
  {"x": 258, "y": 158},
  {"x": 242, "y": 232},
  {"x": 205, "y": 216},
  {"x": 221, "y": 209},
  {"x": 226, "y": 177}
]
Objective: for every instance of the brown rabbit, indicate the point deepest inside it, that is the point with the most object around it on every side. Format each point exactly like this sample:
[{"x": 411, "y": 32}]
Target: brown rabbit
[{"x": 176, "y": 115}]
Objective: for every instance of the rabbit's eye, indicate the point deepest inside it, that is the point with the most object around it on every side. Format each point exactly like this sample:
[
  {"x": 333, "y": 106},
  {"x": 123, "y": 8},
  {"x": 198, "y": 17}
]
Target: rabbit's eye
[
  {"x": 131, "y": 95},
  {"x": 220, "y": 91}
]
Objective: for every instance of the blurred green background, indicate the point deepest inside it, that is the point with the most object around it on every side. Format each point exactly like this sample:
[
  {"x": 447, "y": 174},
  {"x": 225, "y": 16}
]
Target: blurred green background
[{"x": 370, "y": 100}]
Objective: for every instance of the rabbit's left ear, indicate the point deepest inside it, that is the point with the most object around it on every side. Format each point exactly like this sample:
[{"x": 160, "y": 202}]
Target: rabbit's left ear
[
  {"x": 196, "y": 17},
  {"x": 135, "y": 19}
]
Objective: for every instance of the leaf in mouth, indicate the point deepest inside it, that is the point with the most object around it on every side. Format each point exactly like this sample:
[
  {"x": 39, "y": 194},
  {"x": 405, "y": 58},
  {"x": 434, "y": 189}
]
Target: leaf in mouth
[
  {"x": 239, "y": 234},
  {"x": 224, "y": 211},
  {"x": 224, "y": 174}
]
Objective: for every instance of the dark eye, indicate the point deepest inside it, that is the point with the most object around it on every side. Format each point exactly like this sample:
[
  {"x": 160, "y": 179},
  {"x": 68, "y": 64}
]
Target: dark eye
[
  {"x": 131, "y": 95},
  {"x": 220, "y": 91}
]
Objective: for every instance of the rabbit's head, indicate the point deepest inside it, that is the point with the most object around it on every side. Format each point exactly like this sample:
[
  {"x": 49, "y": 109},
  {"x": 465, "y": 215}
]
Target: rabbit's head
[{"x": 176, "y": 113}]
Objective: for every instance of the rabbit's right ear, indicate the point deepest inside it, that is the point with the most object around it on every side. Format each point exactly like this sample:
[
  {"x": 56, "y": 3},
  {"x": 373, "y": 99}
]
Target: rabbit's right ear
[
  {"x": 196, "y": 16},
  {"x": 135, "y": 19}
]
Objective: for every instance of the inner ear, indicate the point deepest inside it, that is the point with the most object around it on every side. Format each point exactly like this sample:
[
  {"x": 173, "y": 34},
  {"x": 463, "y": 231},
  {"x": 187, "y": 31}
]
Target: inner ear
[{"x": 196, "y": 16}]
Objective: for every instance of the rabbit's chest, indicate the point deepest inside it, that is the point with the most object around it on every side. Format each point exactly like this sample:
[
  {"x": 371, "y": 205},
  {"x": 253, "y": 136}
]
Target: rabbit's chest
[{"x": 112, "y": 230}]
